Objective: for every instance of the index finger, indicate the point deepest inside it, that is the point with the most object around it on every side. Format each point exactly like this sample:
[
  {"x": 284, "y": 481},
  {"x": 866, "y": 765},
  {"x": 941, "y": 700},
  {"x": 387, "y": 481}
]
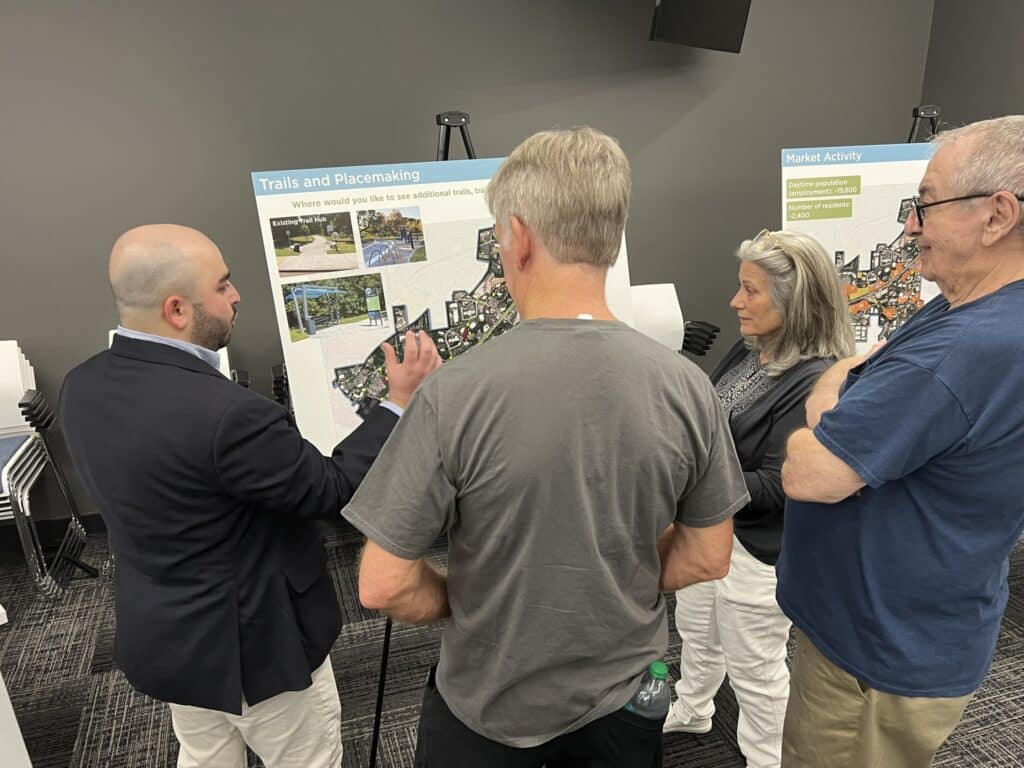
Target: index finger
[
  {"x": 412, "y": 347},
  {"x": 390, "y": 357}
]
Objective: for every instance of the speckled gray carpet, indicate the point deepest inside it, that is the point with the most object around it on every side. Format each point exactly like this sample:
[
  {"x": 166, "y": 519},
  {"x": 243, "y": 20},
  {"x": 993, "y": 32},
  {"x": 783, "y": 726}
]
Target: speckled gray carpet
[{"x": 76, "y": 709}]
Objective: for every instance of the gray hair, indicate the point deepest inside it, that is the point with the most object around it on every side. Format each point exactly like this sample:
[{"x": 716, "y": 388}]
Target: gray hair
[
  {"x": 571, "y": 188},
  {"x": 994, "y": 156},
  {"x": 805, "y": 289}
]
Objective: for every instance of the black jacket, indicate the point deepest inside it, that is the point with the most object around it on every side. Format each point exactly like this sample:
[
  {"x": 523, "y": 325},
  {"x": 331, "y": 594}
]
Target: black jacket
[
  {"x": 208, "y": 492},
  {"x": 760, "y": 434}
]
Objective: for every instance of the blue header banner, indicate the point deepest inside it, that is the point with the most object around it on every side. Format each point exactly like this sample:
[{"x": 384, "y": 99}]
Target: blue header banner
[
  {"x": 870, "y": 153},
  {"x": 368, "y": 176}
]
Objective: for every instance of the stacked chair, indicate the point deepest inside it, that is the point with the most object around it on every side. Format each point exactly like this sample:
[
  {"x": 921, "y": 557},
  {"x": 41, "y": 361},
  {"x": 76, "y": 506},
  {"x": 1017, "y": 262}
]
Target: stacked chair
[
  {"x": 23, "y": 460},
  {"x": 26, "y": 424},
  {"x": 698, "y": 336},
  {"x": 279, "y": 386},
  {"x": 20, "y": 449}
]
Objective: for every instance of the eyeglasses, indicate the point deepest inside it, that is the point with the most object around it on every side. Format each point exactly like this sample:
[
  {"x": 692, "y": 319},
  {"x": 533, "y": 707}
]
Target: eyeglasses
[{"x": 914, "y": 204}]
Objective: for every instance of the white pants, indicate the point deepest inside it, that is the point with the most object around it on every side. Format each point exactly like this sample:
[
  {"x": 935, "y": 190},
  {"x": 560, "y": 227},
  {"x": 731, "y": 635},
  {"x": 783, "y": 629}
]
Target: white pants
[
  {"x": 295, "y": 729},
  {"x": 734, "y": 625}
]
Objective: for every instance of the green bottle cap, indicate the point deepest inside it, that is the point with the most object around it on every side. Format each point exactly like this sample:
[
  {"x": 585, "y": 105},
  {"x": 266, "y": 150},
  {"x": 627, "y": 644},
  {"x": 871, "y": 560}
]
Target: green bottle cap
[{"x": 658, "y": 670}]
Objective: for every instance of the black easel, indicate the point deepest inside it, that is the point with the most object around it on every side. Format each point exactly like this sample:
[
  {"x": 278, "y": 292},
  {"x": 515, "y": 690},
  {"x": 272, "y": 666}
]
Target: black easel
[
  {"x": 932, "y": 113},
  {"x": 445, "y": 121}
]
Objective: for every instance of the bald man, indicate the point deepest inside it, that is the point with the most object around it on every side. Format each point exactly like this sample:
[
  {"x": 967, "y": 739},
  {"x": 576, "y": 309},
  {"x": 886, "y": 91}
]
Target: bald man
[{"x": 225, "y": 608}]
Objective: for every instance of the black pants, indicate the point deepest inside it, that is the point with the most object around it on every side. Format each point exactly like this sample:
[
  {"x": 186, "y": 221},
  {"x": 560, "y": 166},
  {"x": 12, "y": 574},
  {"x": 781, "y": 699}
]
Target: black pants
[{"x": 619, "y": 740}]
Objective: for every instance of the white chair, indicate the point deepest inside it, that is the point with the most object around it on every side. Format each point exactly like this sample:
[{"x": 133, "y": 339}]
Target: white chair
[
  {"x": 16, "y": 375},
  {"x": 25, "y": 421}
]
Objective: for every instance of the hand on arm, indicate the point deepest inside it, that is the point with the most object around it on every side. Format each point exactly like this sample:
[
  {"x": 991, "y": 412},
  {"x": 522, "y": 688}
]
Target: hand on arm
[
  {"x": 812, "y": 472},
  {"x": 690, "y": 555},
  {"x": 420, "y": 358},
  {"x": 825, "y": 394},
  {"x": 873, "y": 436},
  {"x": 408, "y": 590}
]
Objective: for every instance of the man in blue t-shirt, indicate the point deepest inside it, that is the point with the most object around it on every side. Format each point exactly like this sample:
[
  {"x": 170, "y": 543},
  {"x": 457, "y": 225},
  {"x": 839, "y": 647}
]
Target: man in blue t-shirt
[{"x": 905, "y": 491}]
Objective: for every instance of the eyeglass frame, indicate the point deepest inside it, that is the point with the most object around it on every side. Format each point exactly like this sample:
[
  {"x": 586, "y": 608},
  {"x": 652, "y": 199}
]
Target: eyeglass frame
[{"x": 908, "y": 203}]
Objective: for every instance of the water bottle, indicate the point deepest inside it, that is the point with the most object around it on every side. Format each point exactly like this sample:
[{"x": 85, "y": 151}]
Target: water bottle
[{"x": 653, "y": 698}]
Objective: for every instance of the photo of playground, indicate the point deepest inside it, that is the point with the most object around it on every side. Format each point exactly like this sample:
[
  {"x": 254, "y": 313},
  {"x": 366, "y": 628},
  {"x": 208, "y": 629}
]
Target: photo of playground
[
  {"x": 324, "y": 306},
  {"x": 391, "y": 236},
  {"x": 322, "y": 242}
]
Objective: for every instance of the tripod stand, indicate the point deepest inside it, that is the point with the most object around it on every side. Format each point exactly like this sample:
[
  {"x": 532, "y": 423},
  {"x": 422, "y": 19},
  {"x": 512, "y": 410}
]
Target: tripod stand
[
  {"x": 445, "y": 121},
  {"x": 933, "y": 114}
]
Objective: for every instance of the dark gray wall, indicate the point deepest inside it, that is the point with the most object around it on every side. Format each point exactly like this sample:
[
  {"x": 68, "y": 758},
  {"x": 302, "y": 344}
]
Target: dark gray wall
[
  {"x": 159, "y": 111},
  {"x": 975, "y": 69}
]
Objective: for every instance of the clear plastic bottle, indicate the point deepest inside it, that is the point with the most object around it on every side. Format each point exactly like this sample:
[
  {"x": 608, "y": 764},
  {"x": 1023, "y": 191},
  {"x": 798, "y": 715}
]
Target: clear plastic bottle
[{"x": 654, "y": 697}]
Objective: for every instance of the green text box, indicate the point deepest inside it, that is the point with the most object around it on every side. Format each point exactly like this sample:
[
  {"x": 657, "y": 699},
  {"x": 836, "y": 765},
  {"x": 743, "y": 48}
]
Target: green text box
[
  {"x": 836, "y": 208},
  {"x": 823, "y": 186}
]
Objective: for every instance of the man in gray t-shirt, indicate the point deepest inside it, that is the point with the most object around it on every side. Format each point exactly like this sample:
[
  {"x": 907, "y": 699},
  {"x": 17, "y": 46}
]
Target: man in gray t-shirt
[{"x": 577, "y": 467}]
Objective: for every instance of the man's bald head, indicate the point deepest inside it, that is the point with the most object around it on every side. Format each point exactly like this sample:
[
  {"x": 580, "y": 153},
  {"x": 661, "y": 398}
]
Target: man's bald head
[
  {"x": 172, "y": 281},
  {"x": 151, "y": 262}
]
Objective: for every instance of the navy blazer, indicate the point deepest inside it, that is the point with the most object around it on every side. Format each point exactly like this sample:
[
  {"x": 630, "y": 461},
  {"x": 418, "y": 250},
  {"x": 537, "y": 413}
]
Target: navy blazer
[{"x": 208, "y": 492}]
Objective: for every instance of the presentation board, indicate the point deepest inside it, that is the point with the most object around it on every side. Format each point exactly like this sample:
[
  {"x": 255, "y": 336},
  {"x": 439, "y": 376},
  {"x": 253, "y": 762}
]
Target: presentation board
[
  {"x": 850, "y": 199},
  {"x": 357, "y": 255}
]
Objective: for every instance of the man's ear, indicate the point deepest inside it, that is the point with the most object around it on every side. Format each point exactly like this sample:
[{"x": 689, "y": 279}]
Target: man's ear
[
  {"x": 177, "y": 311},
  {"x": 1003, "y": 218},
  {"x": 521, "y": 241}
]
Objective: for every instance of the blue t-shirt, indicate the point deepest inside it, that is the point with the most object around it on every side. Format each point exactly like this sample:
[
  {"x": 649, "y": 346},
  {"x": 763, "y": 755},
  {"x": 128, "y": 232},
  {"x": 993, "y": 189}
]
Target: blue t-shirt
[{"x": 903, "y": 585}]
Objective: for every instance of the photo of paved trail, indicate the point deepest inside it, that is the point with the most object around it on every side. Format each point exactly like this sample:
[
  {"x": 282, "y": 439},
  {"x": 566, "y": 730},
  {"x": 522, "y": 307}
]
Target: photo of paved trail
[
  {"x": 314, "y": 243},
  {"x": 318, "y": 255}
]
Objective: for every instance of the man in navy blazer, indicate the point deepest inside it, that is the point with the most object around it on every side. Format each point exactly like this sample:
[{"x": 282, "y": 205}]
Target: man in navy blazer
[{"x": 225, "y": 608}]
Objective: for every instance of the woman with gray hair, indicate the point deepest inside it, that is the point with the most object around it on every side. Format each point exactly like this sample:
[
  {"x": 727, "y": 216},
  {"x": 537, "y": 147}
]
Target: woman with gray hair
[{"x": 794, "y": 321}]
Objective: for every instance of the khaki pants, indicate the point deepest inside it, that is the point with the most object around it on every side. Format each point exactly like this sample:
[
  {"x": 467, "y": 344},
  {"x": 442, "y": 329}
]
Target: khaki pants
[
  {"x": 295, "y": 729},
  {"x": 835, "y": 721}
]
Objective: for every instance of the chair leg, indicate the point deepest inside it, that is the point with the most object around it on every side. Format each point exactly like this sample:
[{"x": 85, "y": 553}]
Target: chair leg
[
  {"x": 74, "y": 537},
  {"x": 84, "y": 567}
]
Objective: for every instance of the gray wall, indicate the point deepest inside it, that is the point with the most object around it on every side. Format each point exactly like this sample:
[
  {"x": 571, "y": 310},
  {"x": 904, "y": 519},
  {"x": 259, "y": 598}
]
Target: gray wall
[
  {"x": 975, "y": 69},
  {"x": 159, "y": 111}
]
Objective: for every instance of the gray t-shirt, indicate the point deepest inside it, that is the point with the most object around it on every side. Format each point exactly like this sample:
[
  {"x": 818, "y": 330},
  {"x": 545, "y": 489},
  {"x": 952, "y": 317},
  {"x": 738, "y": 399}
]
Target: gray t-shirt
[{"x": 553, "y": 457}]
